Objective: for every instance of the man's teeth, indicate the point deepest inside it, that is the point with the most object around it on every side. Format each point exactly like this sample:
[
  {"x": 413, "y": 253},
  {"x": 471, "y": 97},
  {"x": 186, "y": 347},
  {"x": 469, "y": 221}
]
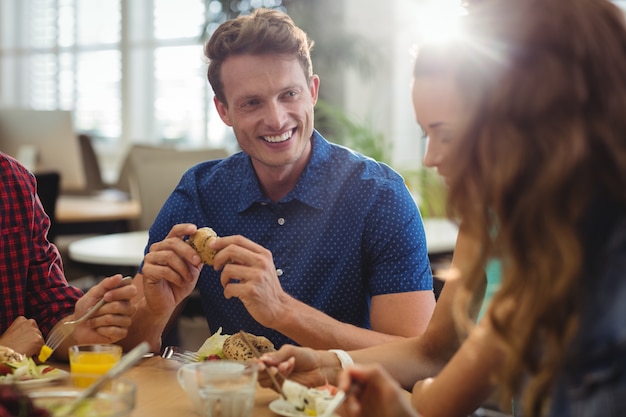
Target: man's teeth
[{"x": 280, "y": 138}]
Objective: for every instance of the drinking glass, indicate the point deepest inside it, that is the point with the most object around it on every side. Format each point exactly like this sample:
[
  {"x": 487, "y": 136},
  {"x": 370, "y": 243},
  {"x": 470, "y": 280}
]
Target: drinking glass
[
  {"x": 227, "y": 387},
  {"x": 116, "y": 399},
  {"x": 89, "y": 362}
]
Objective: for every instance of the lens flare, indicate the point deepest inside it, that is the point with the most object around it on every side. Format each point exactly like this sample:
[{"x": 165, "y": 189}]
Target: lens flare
[{"x": 439, "y": 20}]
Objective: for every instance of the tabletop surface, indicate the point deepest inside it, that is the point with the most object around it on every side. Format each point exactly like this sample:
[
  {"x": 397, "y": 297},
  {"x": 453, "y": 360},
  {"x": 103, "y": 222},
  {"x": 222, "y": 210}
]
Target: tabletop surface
[
  {"x": 81, "y": 209},
  {"x": 119, "y": 249},
  {"x": 440, "y": 235},
  {"x": 160, "y": 395}
]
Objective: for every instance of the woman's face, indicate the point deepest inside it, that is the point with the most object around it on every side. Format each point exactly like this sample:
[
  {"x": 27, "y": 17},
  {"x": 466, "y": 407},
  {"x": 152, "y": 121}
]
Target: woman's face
[{"x": 438, "y": 110}]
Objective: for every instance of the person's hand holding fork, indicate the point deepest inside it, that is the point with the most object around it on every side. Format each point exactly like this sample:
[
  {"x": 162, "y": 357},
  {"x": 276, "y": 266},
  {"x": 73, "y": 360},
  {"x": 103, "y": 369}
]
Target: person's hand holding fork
[
  {"x": 111, "y": 322},
  {"x": 372, "y": 392}
]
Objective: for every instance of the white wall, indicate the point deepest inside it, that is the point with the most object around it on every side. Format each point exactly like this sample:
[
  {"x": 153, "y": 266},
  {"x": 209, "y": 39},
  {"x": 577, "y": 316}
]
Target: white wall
[{"x": 385, "y": 101}]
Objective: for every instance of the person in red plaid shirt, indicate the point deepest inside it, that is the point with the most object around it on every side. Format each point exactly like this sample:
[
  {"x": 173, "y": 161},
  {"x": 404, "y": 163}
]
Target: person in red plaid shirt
[{"x": 35, "y": 296}]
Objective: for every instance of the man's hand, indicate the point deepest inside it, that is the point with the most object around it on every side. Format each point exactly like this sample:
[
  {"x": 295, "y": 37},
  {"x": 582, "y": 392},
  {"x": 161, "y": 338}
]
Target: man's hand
[
  {"x": 170, "y": 270},
  {"x": 312, "y": 368},
  {"x": 249, "y": 273},
  {"x": 23, "y": 336}
]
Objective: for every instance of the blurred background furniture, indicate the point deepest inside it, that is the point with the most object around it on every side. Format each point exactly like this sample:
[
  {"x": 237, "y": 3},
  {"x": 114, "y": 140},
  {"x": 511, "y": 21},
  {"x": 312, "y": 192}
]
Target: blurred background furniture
[
  {"x": 117, "y": 249},
  {"x": 150, "y": 173},
  {"x": 441, "y": 235},
  {"x": 91, "y": 165},
  {"x": 44, "y": 141},
  {"x": 75, "y": 212},
  {"x": 48, "y": 187}
]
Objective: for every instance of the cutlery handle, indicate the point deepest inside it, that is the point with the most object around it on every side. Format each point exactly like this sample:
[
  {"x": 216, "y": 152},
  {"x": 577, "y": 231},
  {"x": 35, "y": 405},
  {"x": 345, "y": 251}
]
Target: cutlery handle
[{"x": 96, "y": 307}]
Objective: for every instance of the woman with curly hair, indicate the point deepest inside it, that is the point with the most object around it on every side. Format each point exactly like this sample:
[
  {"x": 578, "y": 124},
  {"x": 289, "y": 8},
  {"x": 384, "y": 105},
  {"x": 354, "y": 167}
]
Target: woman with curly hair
[
  {"x": 538, "y": 176},
  {"x": 537, "y": 172}
]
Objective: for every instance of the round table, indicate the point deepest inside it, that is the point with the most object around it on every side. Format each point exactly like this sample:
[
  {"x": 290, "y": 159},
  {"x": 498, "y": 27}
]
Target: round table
[
  {"x": 441, "y": 235},
  {"x": 117, "y": 249}
]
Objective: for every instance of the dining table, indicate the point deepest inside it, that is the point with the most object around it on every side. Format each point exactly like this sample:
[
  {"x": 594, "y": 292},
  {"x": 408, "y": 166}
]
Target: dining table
[
  {"x": 115, "y": 249},
  {"x": 94, "y": 209},
  {"x": 160, "y": 395}
]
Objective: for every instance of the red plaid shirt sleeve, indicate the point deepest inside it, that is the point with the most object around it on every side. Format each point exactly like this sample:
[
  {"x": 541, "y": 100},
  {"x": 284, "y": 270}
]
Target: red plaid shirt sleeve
[{"x": 31, "y": 271}]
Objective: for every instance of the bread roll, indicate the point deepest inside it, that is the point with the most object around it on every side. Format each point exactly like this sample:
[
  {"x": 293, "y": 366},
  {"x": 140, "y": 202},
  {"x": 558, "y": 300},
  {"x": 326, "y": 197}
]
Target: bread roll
[
  {"x": 200, "y": 242},
  {"x": 8, "y": 355},
  {"x": 236, "y": 349}
]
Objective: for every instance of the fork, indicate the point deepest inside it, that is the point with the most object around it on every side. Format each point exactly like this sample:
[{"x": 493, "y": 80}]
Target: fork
[
  {"x": 59, "y": 334},
  {"x": 180, "y": 354}
]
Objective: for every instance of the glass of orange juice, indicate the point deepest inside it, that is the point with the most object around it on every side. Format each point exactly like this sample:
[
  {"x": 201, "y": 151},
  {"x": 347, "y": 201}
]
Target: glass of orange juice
[{"x": 89, "y": 362}]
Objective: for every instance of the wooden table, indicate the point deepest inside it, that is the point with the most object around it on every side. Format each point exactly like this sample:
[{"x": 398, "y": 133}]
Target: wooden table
[
  {"x": 160, "y": 395},
  {"x": 88, "y": 209}
]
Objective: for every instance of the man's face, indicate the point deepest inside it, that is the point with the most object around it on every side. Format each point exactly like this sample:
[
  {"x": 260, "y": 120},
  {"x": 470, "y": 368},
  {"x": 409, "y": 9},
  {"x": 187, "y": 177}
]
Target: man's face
[{"x": 269, "y": 105}]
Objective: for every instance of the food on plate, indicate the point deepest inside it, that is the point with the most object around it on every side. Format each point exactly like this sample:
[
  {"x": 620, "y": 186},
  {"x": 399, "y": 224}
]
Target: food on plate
[
  {"x": 16, "y": 367},
  {"x": 310, "y": 401},
  {"x": 236, "y": 349},
  {"x": 212, "y": 347},
  {"x": 8, "y": 355},
  {"x": 44, "y": 353},
  {"x": 104, "y": 404},
  {"x": 200, "y": 242},
  {"x": 224, "y": 346}
]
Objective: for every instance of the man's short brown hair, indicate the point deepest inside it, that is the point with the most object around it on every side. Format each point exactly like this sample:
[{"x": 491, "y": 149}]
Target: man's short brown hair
[{"x": 262, "y": 32}]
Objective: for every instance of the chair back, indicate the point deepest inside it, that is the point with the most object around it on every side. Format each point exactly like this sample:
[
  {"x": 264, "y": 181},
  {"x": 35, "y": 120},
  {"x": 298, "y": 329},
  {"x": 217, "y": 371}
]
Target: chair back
[
  {"x": 151, "y": 173},
  {"x": 48, "y": 188},
  {"x": 93, "y": 174}
]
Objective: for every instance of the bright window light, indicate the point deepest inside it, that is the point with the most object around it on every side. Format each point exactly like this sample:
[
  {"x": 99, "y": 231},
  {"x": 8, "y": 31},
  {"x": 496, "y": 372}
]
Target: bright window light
[{"x": 439, "y": 20}]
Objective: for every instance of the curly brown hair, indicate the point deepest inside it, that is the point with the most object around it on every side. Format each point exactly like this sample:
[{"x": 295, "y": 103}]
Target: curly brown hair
[
  {"x": 546, "y": 84},
  {"x": 264, "y": 31}
]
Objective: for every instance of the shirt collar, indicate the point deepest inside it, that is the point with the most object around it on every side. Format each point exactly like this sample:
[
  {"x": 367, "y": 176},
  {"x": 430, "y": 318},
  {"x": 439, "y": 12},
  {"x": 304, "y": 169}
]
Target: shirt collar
[{"x": 310, "y": 187}]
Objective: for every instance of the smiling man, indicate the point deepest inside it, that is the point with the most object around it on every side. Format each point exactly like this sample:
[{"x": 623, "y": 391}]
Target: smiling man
[{"x": 320, "y": 246}]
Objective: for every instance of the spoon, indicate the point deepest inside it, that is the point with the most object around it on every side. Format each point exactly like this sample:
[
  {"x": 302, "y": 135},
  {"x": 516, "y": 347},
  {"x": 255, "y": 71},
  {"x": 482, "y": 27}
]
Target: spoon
[
  {"x": 122, "y": 366},
  {"x": 334, "y": 404}
]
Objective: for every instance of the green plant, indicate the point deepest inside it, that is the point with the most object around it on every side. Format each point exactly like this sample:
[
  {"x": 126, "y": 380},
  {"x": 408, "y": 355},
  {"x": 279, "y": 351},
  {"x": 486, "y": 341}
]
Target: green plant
[
  {"x": 430, "y": 189},
  {"x": 337, "y": 127}
]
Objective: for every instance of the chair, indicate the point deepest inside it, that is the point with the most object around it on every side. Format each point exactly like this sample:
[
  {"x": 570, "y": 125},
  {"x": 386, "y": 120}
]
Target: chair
[
  {"x": 93, "y": 175},
  {"x": 48, "y": 188},
  {"x": 150, "y": 174}
]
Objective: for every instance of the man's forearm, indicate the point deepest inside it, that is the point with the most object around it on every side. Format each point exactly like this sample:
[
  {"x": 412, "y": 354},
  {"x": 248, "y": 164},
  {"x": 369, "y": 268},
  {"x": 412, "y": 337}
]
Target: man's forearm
[
  {"x": 146, "y": 327},
  {"x": 312, "y": 328}
]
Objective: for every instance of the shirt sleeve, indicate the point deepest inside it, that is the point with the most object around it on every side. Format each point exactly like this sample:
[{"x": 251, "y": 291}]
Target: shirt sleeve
[
  {"x": 49, "y": 295},
  {"x": 396, "y": 242}
]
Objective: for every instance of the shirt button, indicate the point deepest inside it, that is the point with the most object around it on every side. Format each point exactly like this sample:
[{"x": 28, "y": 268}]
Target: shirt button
[
  {"x": 281, "y": 221},
  {"x": 279, "y": 272}
]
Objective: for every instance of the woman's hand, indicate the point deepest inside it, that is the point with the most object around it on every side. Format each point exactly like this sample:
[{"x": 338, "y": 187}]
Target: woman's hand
[
  {"x": 306, "y": 366},
  {"x": 372, "y": 392}
]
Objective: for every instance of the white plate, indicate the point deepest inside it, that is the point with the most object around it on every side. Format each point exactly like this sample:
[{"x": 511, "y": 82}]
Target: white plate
[
  {"x": 286, "y": 409},
  {"x": 50, "y": 376}
]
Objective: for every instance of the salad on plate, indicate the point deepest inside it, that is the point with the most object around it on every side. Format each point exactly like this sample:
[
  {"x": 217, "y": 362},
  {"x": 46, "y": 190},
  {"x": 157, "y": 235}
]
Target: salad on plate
[{"x": 18, "y": 368}]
